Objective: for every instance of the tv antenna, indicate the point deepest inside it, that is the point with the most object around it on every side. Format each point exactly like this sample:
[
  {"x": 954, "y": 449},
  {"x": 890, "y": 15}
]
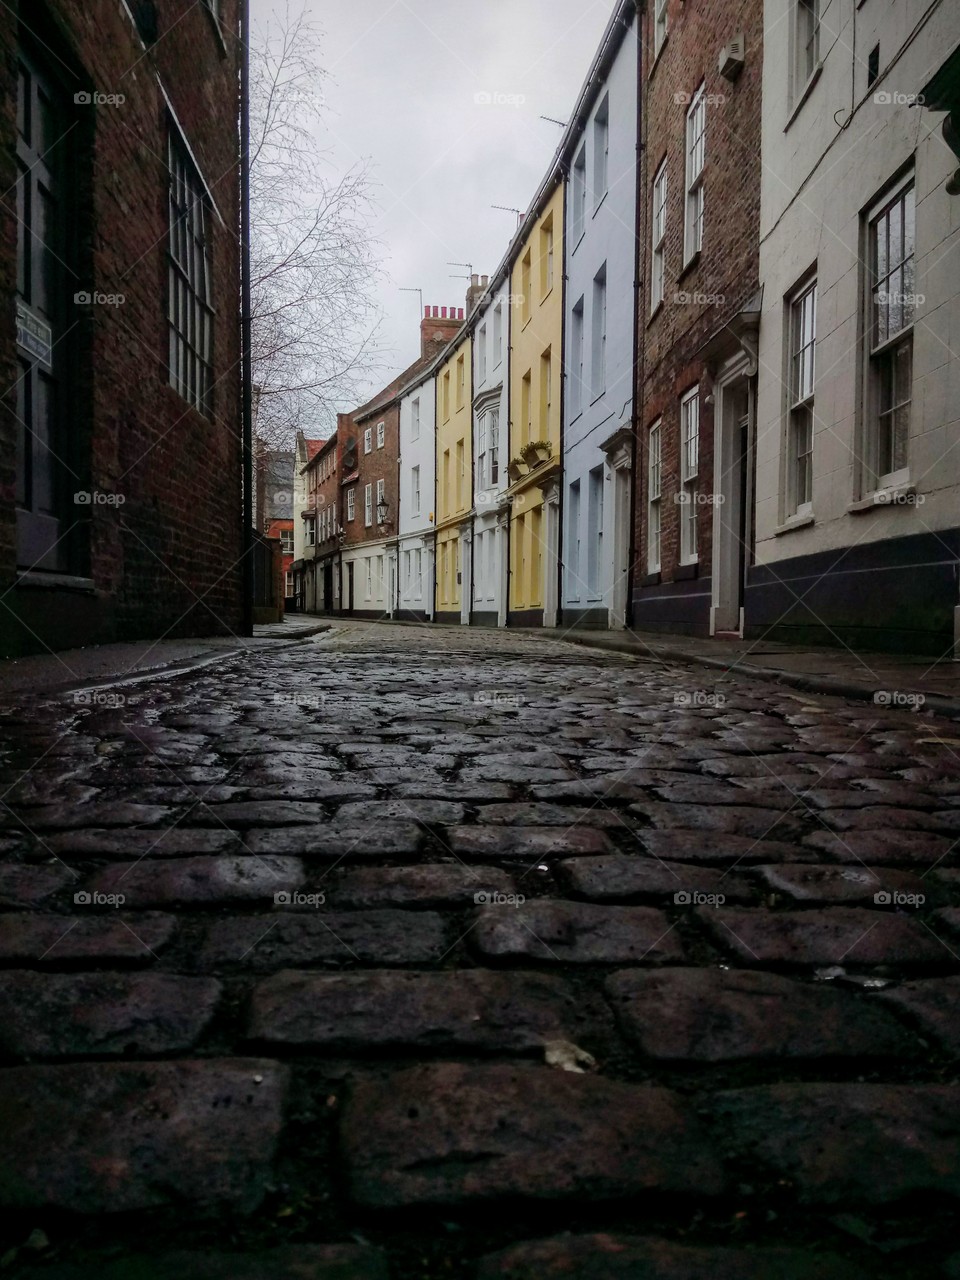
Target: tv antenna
[
  {"x": 561, "y": 123},
  {"x": 509, "y": 209},
  {"x": 406, "y": 289}
]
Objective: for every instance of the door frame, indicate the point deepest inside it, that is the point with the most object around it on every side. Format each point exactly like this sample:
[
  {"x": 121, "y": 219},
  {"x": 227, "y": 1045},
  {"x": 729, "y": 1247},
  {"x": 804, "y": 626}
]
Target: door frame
[{"x": 731, "y": 482}]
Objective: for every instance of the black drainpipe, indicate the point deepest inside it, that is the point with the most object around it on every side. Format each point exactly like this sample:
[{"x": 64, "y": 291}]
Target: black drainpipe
[{"x": 245, "y": 336}]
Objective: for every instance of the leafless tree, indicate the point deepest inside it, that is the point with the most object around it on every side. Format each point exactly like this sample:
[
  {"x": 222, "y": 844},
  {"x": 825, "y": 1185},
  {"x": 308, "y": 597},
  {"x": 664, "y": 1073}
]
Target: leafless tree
[{"x": 314, "y": 263}]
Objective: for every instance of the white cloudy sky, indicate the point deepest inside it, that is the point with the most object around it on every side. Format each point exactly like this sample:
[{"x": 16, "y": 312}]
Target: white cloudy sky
[{"x": 403, "y": 75}]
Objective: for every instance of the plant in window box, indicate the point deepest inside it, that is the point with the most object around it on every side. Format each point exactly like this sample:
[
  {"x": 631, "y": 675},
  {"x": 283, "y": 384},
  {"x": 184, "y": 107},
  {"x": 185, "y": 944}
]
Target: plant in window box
[
  {"x": 516, "y": 468},
  {"x": 537, "y": 451}
]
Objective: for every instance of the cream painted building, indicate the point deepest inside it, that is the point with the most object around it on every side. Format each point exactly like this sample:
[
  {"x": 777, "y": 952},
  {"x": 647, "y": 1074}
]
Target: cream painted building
[{"x": 454, "y": 481}]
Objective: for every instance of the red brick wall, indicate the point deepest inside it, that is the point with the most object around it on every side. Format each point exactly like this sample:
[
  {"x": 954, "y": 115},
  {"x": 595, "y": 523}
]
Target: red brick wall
[
  {"x": 728, "y": 265},
  {"x": 178, "y": 535},
  {"x": 379, "y": 464}
]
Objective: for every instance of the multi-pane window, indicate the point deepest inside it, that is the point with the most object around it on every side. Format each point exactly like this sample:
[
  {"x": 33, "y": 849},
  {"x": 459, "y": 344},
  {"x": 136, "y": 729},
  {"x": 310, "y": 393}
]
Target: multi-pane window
[
  {"x": 601, "y": 150},
  {"x": 288, "y": 583},
  {"x": 190, "y": 301},
  {"x": 460, "y": 382},
  {"x": 445, "y": 395},
  {"x": 368, "y": 439},
  {"x": 696, "y": 127},
  {"x": 381, "y": 484},
  {"x": 689, "y": 458},
  {"x": 286, "y": 542},
  {"x": 546, "y": 257},
  {"x": 807, "y": 40},
  {"x": 892, "y": 300},
  {"x": 659, "y": 25},
  {"x": 418, "y": 560},
  {"x": 494, "y": 444},
  {"x": 659, "y": 236},
  {"x": 482, "y": 451},
  {"x": 653, "y": 499},
  {"x": 526, "y": 409},
  {"x": 803, "y": 338},
  {"x": 572, "y": 576},
  {"x": 595, "y": 532},
  {"x": 415, "y": 419},
  {"x": 351, "y": 503},
  {"x": 368, "y": 564},
  {"x": 497, "y": 335},
  {"x": 546, "y": 392},
  {"x": 525, "y": 288},
  {"x": 576, "y": 359},
  {"x": 381, "y": 434},
  {"x": 482, "y": 353},
  {"x": 598, "y": 368},
  {"x": 579, "y": 195},
  {"x": 415, "y": 489},
  {"x": 368, "y": 505}
]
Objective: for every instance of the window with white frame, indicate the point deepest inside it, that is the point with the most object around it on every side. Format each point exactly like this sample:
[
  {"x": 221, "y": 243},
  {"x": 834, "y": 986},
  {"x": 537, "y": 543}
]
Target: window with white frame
[
  {"x": 601, "y": 150},
  {"x": 482, "y": 353},
  {"x": 311, "y": 531},
  {"x": 415, "y": 419},
  {"x": 579, "y": 195},
  {"x": 380, "y": 495},
  {"x": 190, "y": 308},
  {"x": 576, "y": 358},
  {"x": 418, "y": 560},
  {"x": 598, "y": 364},
  {"x": 693, "y": 223},
  {"x": 368, "y": 564},
  {"x": 803, "y": 340},
  {"x": 368, "y": 505},
  {"x": 653, "y": 498},
  {"x": 572, "y": 576},
  {"x": 890, "y": 327},
  {"x": 497, "y": 334},
  {"x": 351, "y": 503},
  {"x": 494, "y": 445},
  {"x": 659, "y": 236},
  {"x": 415, "y": 490},
  {"x": 368, "y": 440},
  {"x": 286, "y": 542},
  {"x": 288, "y": 583},
  {"x": 659, "y": 25},
  {"x": 482, "y": 451},
  {"x": 406, "y": 572},
  {"x": 690, "y": 464},
  {"x": 807, "y": 42},
  {"x": 381, "y": 434}
]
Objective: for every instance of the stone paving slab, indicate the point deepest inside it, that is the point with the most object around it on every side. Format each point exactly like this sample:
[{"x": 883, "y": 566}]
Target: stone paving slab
[
  {"x": 452, "y": 1133},
  {"x": 173, "y": 842},
  {"x": 613, "y": 1257},
  {"x": 527, "y": 843},
  {"x": 542, "y": 814},
  {"x": 446, "y": 884},
  {"x": 445, "y": 813},
  {"x": 53, "y": 1015},
  {"x": 915, "y": 848},
  {"x": 846, "y": 1143},
  {"x": 103, "y": 814},
  {"x": 283, "y": 939},
  {"x": 241, "y": 878},
  {"x": 760, "y": 824},
  {"x": 99, "y": 1137},
  {"x": 54, "y": 939},
  {"x": 352, "y": 839},
  {"x": 842, "y": 935},
  {"x": 802, "y": 882},
  {"x": 553, "y": 930},
  {"x": 933, "y": 1004},
  {"x": 714, "y": 1015},
  {"x": 709, "y": 847},
  {"x": 473, "y": 1009},
  {"x": 26, "y": 885},
  {"x": 629, "y": 877},
  {"x": 290, "y": 1262}
]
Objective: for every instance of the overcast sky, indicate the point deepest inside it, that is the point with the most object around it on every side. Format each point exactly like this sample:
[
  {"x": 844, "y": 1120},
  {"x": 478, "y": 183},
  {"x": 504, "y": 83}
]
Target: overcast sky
[{"x": 401, "y": 93}]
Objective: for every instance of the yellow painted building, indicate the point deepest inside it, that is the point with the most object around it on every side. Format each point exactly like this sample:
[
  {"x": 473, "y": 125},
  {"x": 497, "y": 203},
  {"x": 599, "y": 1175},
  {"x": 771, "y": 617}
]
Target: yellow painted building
[
  {"x": 536, "y": 376},
  {"x": 454, "y": 477}
]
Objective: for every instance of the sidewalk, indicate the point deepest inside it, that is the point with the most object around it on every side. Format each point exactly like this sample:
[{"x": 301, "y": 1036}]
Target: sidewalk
[{"x": 897, "y": 678}]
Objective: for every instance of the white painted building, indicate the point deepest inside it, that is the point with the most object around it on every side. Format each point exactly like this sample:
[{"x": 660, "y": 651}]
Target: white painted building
[
  {"x": 858, "y": 399},
  {"x": 417, "y": 471},
  {"x": 489, "y": 550},
  {"x": 600, "y": 261}
]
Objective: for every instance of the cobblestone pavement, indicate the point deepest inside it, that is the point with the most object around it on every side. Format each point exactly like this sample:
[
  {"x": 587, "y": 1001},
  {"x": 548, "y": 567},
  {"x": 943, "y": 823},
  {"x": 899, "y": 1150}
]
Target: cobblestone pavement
[{"x": 413, "y": 952}]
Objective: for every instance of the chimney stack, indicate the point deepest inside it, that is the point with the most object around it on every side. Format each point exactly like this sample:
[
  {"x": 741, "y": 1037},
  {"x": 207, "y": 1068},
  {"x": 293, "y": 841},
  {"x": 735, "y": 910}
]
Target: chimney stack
[
  {"x": 437, "y": 328},
  {"x": 476, "y": 290}
]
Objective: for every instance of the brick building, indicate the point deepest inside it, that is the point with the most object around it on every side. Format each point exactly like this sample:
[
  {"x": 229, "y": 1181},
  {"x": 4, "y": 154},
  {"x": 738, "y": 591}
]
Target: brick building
[
  {"x": 699, "y": 305},
  {"x": 120, "y": 454},
  {"x": 321, "y": 523}
]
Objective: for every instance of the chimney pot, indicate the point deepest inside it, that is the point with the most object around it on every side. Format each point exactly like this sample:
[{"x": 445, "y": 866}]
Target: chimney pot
[
  {"x": 473, "y": 280},
  {"x": 443, "y": 312},
  {"x": 435, "y": 311},
  {"x": 460, "y": 313},
  {"x": 484, "y": 280},
  {"x": 426, "y": 311}
]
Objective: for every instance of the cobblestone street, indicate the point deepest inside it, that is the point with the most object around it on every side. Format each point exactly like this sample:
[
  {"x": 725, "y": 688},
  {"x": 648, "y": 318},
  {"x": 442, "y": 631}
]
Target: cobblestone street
[{"x": 418, "y": 952}]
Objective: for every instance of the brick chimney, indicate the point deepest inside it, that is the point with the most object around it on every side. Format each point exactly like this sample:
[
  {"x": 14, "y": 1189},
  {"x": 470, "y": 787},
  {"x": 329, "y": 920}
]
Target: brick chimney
[
  {"x": 475, "y": 290},
  {"x": 437, "y": 329}
]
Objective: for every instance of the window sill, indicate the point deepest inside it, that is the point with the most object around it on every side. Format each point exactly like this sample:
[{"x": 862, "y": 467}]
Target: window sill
[
  {"x": 55, "y": 582},
  {"x": 689, "y": 265},
  {"x": 897, "y": 495},
  {"x": 807, "y": 90},
  {"x": 795, "y": 522}
]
